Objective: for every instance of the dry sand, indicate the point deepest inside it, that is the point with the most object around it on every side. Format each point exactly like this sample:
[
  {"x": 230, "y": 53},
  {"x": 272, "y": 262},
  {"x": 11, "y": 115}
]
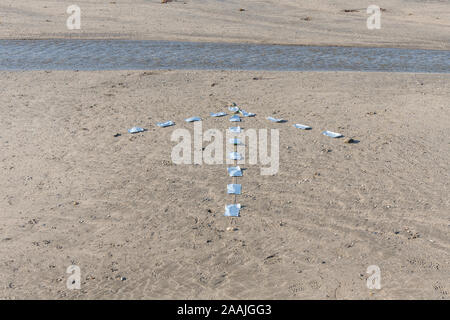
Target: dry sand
[
  {"x": 405, "y": 23},
  {"x": 72, "y": 193}
]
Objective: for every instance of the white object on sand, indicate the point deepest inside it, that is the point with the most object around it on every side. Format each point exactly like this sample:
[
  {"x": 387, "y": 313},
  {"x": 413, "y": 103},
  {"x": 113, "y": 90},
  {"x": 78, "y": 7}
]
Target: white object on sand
[
  {"x": 247, "y": 114},
  {"x": 235, "y": 141},
  {"x": 332, "y": 134},
  {"x": 234, "y": 171},
  {"x": 136, "y": 130},
  {"x": 218, "y": 114},
  {"x": 234, "y": 189},
  {"x": 275, "y": 119},
  {"x": 235, "y": 118},
  {"x": 235, "y": 156},
  {"x": 192, "y": 119}
]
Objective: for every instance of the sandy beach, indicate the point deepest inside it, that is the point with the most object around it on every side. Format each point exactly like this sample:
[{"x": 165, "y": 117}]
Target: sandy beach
[
  {"x": 73, "y": 192},
  {"x": 77, "y": 189},
  {"x": 404, "y": 23}
]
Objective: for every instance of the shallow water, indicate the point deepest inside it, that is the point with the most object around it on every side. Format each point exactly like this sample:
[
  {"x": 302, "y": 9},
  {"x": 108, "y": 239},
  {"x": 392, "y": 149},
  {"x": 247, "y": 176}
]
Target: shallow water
[{"x": 131, "y": 54}]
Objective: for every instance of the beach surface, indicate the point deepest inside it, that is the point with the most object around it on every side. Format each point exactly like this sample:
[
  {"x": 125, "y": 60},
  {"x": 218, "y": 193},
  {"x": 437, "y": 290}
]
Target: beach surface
[
  {"x": 73, "y": 192},
  {"x": 404, "y": 23}
]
